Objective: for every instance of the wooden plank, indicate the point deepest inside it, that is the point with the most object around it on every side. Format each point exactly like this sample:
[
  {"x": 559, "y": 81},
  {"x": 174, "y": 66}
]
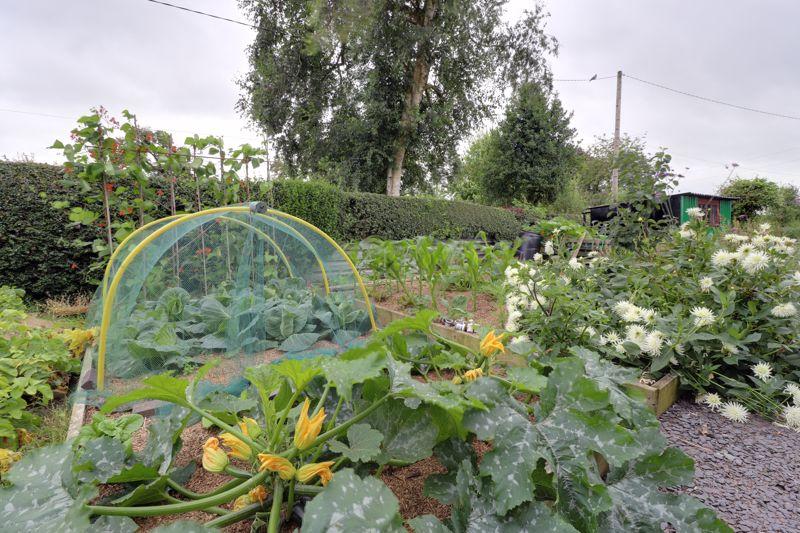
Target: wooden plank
[
  {"x": 79, "y": 407},
  {"x": 661, "y": 395}
]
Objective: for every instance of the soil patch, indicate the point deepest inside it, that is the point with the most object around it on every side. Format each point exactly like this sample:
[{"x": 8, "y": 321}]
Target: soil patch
[{"x": 487, "y": 313}]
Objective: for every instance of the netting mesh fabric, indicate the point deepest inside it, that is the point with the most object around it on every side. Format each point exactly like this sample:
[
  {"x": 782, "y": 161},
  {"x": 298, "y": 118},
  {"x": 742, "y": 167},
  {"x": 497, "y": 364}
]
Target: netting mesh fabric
[{"x": 243, "y": 283}]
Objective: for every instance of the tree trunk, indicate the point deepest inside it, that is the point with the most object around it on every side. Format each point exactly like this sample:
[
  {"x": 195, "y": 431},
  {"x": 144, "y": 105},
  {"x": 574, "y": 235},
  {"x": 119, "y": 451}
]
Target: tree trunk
[{"x": 413, "y": 97}]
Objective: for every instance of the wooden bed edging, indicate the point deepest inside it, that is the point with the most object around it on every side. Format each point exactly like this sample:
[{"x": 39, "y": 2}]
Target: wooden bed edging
[
  {"x": 79, "y": 407},
  {"x": 660, "y": 395}
]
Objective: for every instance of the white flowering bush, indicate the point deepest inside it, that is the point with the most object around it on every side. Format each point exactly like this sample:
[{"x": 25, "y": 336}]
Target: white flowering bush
[{"x": 719, "y": 309}]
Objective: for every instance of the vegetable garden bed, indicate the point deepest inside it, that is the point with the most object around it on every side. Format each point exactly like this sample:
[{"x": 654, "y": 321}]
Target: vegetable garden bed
[
  {"x": 429, "y": 435},
  {"x": 658, "y": 396}
]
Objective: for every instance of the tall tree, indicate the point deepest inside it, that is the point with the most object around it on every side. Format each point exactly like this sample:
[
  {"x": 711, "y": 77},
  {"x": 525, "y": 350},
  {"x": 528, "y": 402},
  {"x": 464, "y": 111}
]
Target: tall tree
[
  {"x": 596, "y": 162},
  {"x": 530, "y": 156},
  {"x": 377, "y": 94}
]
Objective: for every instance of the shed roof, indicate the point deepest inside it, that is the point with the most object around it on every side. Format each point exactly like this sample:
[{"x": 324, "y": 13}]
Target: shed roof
[{"x": 704, "y": 195}]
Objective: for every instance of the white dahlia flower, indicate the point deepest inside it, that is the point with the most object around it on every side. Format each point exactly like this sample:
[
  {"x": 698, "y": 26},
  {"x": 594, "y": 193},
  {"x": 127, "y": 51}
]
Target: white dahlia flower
[
  {"x": 755, "y": 262},
  {"x": 792, "y": 415},
  {"x": 706, "y": 283},
  {"x": 696, "y": 212},
  {"x": 723, "y": 258},
  {"x": 712, "y": 400},
  {"x": 703, "y": 316},
  {"x": 784, "y": 310},
  {"x": 762, "y": 370},
  {"x": 735, "y": 412}
]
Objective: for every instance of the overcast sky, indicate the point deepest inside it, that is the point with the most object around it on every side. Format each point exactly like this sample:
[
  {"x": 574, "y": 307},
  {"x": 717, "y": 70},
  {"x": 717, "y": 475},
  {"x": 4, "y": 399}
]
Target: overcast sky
[{"x": 178, "y": 71}]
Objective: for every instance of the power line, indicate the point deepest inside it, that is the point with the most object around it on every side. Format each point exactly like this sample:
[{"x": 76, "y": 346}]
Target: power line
[
  {"x": 34, "y": 113},
  {"x": 712, "y": 100},
  {"x": 182, "y": 8},
  {"x": 586, "y": 79}
]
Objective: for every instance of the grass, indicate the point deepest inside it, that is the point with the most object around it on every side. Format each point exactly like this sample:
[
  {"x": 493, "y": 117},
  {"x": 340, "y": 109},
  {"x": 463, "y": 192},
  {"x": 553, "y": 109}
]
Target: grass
[{"x": 53, "y": 429}]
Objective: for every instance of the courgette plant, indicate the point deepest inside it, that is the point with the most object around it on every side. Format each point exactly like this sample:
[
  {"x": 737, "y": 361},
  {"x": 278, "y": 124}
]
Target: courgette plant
[{"x": 321, "y": 431}]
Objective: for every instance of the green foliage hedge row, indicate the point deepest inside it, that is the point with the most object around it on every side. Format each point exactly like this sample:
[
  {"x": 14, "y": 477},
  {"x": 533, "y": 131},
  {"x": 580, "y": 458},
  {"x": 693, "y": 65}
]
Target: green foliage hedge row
[
  {"x": 36, "y": 253},
  {"x": 367, "y": 214}
]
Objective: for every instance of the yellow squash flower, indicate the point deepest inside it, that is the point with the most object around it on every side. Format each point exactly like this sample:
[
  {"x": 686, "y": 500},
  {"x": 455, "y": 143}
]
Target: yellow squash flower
[
  {"x": 276, "y": 463},
  {"x": 241, "y": 502},
  {"x": 8, "y": 458},
  {"x": 307, "y": 429},
  {"x": 308, "y": 472},
  {"x": 79, "y": 339},
  {"x": 472, "y": 375},
  {"x": 457, "y": 380},
  {"x": 250, "y": 427},
  {"x": 214, "y": 458},
  {"x": 239, "y": 449},
  {"x": 258, "y": 494},
  {"x": 492, "y": 344}
]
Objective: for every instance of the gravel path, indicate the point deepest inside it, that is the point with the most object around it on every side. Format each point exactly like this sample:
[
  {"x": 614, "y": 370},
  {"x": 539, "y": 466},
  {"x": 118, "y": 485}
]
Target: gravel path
[{"x": 749, "y": 473}]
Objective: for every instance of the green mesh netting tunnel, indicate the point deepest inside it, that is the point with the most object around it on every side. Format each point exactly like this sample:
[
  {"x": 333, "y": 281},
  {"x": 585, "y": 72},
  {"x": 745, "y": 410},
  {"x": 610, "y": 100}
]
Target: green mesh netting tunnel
[{"x": 243, "y": 283}]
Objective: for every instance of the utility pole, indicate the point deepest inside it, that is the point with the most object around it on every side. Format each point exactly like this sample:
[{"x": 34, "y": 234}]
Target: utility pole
[{"x": 615, "y": 170}]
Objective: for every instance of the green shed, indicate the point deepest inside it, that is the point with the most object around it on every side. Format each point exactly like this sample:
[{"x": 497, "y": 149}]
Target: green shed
[{"x": 718, "y": 209}]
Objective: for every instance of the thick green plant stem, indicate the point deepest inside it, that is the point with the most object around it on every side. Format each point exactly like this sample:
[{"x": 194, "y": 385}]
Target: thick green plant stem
[
  {"x": 222, "y": 425},
  {"x": 180, "y": 489},
  {"x": 321, "y": 401},
  {"x": 235, "y": 472},
  {"x": 184, "y": 507},
  {"x": 214, "y": 510},
  {"x": 332, "y": 420},
  {"x": 290, "y": 497},
  {"x": 307, "y": 490},
  {"x": 356, "y": 419},
  {"x": 453, "y": 344},
  {"x": 275, "y": 511},
  {"x": 238, "y": 516},
  {"x": 279, "y": 425}
]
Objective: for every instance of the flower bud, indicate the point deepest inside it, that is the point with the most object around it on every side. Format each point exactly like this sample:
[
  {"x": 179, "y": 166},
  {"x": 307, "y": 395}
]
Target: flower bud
[
  {"x": 307, "y": 429},
  {"x": 214, "y": 458}
]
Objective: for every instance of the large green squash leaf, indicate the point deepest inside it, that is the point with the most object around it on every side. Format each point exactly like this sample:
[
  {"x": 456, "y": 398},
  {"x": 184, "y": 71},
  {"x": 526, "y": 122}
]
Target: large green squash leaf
[
  {"x": 408, "y": 434},
  {"x": 354, "y": 366},
  {"x": 363, "y": 443},
  {"x": 161, "y": 387},
  {"x": 297, "y": 342},
  {"x": 43, "y": 495},
  {"x": 352, "y": 504}
]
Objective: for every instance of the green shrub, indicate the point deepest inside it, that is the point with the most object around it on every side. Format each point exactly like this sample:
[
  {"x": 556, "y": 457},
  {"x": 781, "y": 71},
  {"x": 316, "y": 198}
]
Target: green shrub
[
  {"x": 317, "y": 202},
  {"x": 753, "y": 196},
  {"x": 368, "y": 214}
]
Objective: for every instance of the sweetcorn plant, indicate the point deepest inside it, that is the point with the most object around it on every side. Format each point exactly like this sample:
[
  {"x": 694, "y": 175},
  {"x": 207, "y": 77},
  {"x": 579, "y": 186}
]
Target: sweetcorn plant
[
  {"x": 320, "y": 431},
  {"x": 706, "y": 305}
]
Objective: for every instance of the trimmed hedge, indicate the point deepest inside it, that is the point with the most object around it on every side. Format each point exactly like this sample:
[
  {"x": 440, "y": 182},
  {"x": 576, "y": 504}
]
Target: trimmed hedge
[
  {"x": 36, "y": 251},
  {"x": 368, "y": 214},
  {"x": 317, "y": 202}
]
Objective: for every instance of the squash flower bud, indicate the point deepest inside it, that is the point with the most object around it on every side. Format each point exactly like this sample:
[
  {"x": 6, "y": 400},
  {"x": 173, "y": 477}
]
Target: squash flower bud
[
  {"x": 214, "y": 458},
  {"x": 307, "y": 429}
]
